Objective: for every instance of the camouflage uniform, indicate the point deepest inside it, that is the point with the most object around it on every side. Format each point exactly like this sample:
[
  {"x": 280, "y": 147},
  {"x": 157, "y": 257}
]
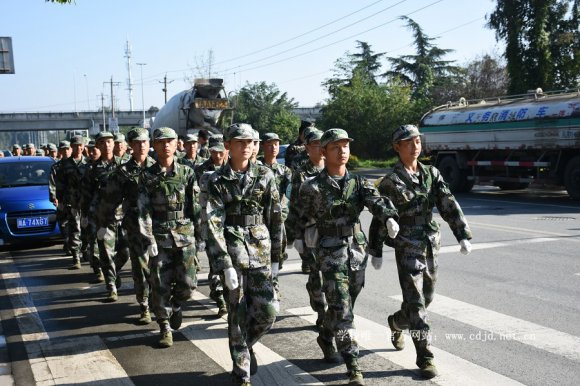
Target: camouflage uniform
[
  {"x": 203, "y": 150},
  {"x": 334, "y": 206},
  {"x": 123, "y": 189},
  {"x": 417, "y": 244},
  {"x": 56, "y": 192},
  {"x": 95, "y": 205},
  {"x": 90, "y": 248},
  {"x": 71, "y": 177},
  {"x": 168, "y": 215},
  {"x": 244, "y": 222}
]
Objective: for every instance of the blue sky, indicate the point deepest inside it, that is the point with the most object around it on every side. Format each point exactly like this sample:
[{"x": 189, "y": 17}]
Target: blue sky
[{"x": 64, "y": 54}]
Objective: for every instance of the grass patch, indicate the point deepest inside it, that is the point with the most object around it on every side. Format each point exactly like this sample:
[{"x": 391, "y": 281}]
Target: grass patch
[{"x": 357, "y": 163}]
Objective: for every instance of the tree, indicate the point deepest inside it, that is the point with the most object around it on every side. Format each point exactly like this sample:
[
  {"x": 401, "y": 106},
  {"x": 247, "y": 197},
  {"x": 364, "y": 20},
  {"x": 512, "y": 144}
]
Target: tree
[
  {"x": 542, "y": 46},
  {"x": 365, "y": 63},
  {"x": 267, "y": 110},
  {"x": 426, "y": 70},
  {"x": 369, "y": 113},
  {"x": 485, "y": 77}
]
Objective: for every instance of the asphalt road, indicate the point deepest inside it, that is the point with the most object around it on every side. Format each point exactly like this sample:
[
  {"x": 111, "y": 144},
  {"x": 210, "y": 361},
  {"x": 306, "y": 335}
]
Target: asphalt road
[{"x": 508, "y": 313}]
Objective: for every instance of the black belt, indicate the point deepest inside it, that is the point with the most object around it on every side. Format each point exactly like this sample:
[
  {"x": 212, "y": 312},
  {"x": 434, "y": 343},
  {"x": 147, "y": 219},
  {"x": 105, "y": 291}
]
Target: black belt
[
  {"x": 415, "y": 220},
  {"x": 244, "y": 220},
  {"x": 342, "y": 231},
  {"x": 168, "y": 216}
]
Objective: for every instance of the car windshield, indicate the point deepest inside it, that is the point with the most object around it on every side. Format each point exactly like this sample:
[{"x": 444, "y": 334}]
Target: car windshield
[{"x": 24, "y": 173}]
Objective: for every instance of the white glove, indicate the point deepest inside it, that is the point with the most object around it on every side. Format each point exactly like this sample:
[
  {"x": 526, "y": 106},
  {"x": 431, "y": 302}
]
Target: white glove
[
  {"x": 201, "y": 246},
  {"x": 152, "y": 250},
  {"x": 231, "y": 277},
  {"x": 377, "y": 262},
  {"x": 101, "y": 233},
  {"x": 392, "y": 228},
  {"x": 299, "y": 245},
  {"x": 276, "y": 303},
  {"x": 84, "y": 221},
  {"x": 275, "y": 269},
  {"x": 465, "y": 246}
]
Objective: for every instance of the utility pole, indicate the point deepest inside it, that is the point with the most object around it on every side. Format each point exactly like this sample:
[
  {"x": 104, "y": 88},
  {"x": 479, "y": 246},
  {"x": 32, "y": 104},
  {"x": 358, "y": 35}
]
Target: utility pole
[
  {"x": 142, "y": 94},
  {"x": 164, "y": 89},
  {"x": 103, "y": 110},
  {"x": 112, "y": 95},
  {"x": 129, "y": 80}
]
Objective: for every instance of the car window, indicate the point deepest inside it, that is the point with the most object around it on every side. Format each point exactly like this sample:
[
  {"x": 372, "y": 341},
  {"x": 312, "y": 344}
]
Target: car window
[{"x": 24, "y": 173}]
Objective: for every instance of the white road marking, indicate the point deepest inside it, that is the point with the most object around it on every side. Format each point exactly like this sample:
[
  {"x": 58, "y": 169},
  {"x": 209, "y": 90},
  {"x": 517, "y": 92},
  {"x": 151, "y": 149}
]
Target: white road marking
[
  {"x": 453, "y": 369},
  {"x": 577, "y": 274},
  {"x": 507, "y": 327},
  {"x": 212, "y": 338}
]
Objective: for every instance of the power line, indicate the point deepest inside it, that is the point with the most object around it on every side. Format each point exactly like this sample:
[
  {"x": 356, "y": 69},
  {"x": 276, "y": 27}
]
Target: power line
[
  {"x": 326, "y": 46},
  {"x": 299, "y": 36}
]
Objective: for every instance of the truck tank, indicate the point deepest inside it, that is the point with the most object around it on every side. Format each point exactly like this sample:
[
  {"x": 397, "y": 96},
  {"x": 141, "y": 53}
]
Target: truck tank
[
  {"x": 509, "y": 142},
  {"x": 204, "y": 106}
]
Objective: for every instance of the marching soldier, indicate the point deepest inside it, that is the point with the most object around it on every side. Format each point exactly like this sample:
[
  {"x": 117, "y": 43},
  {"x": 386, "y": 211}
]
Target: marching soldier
[
  {"x": 71, "y": 177},
  {"x": 120, "y": 148},
  {"x": 56, "y": 192},
  {"x": 168, "y": 212},
  {"x": 333, "y": 200},
  {"x": 415, "y": 189},
  {"x": 244, "y": 240},
  {"x": 111, "y": 237},
  {"x": 190, "y": 157},
  {"x": 296, "y": 152}
]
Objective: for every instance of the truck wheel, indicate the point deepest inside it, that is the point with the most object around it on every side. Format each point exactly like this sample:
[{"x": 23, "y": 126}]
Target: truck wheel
[
  {"x": 453, "y": 175},
  {"x": 572, "y": 178}
]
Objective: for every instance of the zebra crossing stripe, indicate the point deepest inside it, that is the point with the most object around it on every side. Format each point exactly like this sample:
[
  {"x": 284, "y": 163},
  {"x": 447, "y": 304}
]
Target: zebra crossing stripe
[
  {"x": 454, "y": 370},
  {"x": 211, "y": 337},
  {"x": 507, "y": 327}
]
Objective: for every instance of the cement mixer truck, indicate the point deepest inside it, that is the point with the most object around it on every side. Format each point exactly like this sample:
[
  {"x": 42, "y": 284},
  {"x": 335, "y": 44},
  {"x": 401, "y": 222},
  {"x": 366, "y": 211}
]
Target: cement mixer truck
[
  {"x": 204, "y": 106},
  {"x": 509, "y": 142}
]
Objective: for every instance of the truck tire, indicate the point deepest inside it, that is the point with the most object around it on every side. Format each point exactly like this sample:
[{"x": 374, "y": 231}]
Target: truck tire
[
  {"x": 572, "y": 178},
  {"x": 453, "y": 175}
]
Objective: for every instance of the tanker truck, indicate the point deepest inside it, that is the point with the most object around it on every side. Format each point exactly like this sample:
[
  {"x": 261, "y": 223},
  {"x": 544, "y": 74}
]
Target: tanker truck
[
  {"x": 509, "y": 142},
  {"x": 204, "y": 106}
]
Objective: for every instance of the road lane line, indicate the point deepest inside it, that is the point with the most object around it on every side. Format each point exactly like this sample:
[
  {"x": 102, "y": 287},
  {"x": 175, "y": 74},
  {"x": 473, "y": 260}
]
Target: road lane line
[
  {"x": 507, "y": 327},
  {"x": 212, "y": 338},
  {"x": 454, "y": 370}
]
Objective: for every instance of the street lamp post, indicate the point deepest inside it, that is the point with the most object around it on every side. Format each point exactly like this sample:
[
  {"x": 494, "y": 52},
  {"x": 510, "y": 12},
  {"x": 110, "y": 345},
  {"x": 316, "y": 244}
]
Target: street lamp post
[
  {"x": 87, "y": 87},
  {"x": 142, "y": 94}
]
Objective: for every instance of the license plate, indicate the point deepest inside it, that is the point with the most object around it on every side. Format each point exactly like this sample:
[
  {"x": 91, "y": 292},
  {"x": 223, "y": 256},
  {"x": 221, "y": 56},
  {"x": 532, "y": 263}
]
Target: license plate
[
  {"x": 202, "y": 103},
  {"x": 31, "y": 222}
]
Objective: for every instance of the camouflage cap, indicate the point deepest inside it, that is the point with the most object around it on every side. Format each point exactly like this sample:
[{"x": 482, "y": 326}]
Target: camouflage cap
[
  {"x": 313, "y": 135},
  {"x": 63, "y": 144},
  {"x": 118, "y": 137},
  {"x": 334, "y": 135},
  {"x": 405, "y": 132},
  {"x": 257, "y": 135},
  {"x": 24, "y": 146},
  {"x": 43, "y": 145},
  {"x": 91, "y": 143},
  {"x": 39, "y": 152},
  {"x": 51, "y": 147},
  {"x": 240, "y": 131},
  {"x": 138, "y": 134},
  {"x": 103, "y": 135},
  {"x": 191, "y": 138},
  {"x": 31, "y": 146},
  {"x": 216, "y": 143},
  {"x": 16, "y": 146},
  {"x": 77, "y": 140},
  {"x": 270, "y": 137},
  {"x": 164, "y": 133}
]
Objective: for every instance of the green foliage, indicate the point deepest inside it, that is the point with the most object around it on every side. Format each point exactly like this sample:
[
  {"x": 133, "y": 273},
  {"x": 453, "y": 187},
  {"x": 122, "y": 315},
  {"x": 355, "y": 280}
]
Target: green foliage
[
  {"x": 267, "y": 110},
  {"x": 542, "y": 42},
  {"x": 369, "y": 113}
]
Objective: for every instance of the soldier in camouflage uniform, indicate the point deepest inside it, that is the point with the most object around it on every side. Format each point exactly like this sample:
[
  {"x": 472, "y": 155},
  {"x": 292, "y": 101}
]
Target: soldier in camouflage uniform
[
  {"x": 52, "y": 151},
  {"x": 120, "y": 147},
  {"x": 297, "y": 149},
  {"x": 283, "y": 175},
  {"x": 111, "y": 237},
  {"x": 333, "y": 200},
  {"x": 203, "y": 138},
  {"x": 122, "y": 190},
  {"x": 71, "y": 178},
  {"x": 190, "y": 156},
  {"x": 16, "y": 150},
  {"x": 203, "y": 173},
  {"x": 415, "y": 189},
  {"x": 218, "y": 156},
  {"x": 56, "y": 193},
  {"x": 245, "y": 230},
  {"x": 168, "y": 218}
]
